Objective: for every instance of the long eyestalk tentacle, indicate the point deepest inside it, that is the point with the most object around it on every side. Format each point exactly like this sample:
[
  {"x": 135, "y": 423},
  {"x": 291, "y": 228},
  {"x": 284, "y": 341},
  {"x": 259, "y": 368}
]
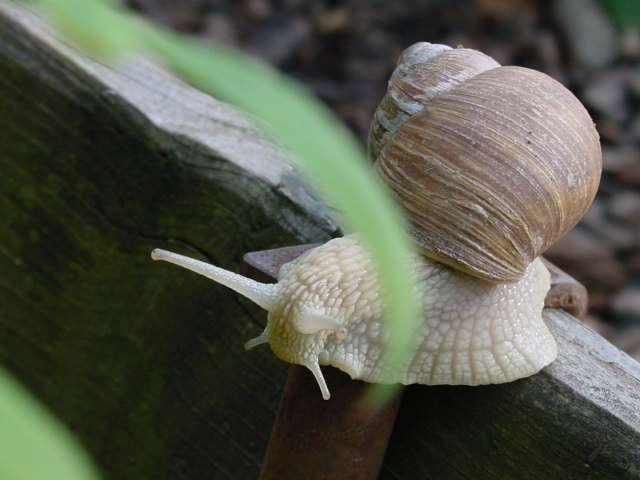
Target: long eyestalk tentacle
[
  {"x": 263, "y": 294},
  {"x": 311, "y": 322}
]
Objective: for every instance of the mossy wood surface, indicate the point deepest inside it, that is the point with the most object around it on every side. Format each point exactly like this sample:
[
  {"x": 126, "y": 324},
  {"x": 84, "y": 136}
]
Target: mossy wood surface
[{"x": 145, "y": 362}]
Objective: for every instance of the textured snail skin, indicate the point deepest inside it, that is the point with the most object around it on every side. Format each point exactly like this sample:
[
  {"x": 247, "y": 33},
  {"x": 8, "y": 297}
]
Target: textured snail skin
[{"x": 326, "y": 309}]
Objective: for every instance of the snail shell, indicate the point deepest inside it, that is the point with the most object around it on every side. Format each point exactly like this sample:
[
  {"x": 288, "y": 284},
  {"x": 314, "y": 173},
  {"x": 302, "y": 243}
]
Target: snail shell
[{"x": 491, "y": 164}]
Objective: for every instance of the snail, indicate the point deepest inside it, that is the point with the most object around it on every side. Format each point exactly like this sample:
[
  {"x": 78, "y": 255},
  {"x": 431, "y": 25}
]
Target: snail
[{"x": 491, "y": 165}]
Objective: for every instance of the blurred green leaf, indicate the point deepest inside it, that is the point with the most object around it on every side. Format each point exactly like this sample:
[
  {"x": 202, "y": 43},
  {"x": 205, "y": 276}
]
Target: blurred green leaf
[
  {"x": 33, "y": 445},
  {"x": 100, "y": 26},
  {"x": 329, "y": 154}
]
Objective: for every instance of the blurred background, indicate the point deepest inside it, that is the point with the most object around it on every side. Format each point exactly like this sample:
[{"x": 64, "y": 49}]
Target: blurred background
[{"x": 345, "y": 51}]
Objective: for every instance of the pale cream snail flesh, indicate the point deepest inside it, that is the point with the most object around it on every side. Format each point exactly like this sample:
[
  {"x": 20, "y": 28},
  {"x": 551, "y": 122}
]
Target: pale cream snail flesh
[{"x": 482, "y": 319}]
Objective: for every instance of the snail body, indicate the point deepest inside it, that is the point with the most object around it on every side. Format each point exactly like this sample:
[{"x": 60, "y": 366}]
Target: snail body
[
  {"x": 491, "y": 165},
  {"x": 327, "y": 309}
]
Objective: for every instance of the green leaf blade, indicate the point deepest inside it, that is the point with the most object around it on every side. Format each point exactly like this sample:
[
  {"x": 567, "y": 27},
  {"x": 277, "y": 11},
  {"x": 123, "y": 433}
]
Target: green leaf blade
[{"x": 33, "y": 445}]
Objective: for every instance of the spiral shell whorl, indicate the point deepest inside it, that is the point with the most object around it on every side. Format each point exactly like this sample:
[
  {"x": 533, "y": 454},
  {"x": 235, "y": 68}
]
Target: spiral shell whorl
[
  {"x": 494, "y": 170},
  {"x": 424, "y": 70}
]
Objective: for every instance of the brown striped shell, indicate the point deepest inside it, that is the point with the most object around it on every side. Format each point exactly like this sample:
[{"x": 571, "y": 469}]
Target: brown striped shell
[{"x": 491, "y": 164}]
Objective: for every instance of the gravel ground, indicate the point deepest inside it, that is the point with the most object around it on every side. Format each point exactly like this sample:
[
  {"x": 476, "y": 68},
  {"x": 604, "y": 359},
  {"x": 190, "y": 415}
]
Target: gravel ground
[{"x": 345, "y": 51}]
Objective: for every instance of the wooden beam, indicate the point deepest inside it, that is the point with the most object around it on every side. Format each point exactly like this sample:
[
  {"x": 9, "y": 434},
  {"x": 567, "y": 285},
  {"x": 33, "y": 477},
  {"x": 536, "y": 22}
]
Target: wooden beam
[{"x": 578, "y": 418}]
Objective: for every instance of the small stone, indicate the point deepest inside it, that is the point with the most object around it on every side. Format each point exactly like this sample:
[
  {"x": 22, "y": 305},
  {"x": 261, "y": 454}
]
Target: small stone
[
  {"x": 278, "y": 38},
  {"x": 332, "y": 21},
  {"x": 548, "y": 49},
  {"x": 606, "y": 93},
  {"x": 615, "y": 235},
  {"x": 625, "y": 206},
  {"x": 598, "y": 300},
  {"x": 634, "y": 81},
  {"x": 623, "y": 161},
  {"x": 587, "y": 259},
  {"x": 259, "y": 9},
  {"x": 615, "y": 157},
  {"x": 630, "y": 173},
  {"x": 219, "y": 27},
  {"x": 628, "y": 340},
  {"x": 610, "y": 130},
  {"x": 595, "y": 216},
  {"x": 589, "y": 32},
  {"x": 626, "y": 304},
  {"x": 633, "y": 263},
  {"x": 630, "y": 42}
]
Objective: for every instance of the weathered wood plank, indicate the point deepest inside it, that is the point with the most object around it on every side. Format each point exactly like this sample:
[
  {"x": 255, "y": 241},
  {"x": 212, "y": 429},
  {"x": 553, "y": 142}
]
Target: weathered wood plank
[
  {"x": 578, "y": 418},
  {"x": 145, "y": 362},
  {"x": 98, "y": 166}
]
